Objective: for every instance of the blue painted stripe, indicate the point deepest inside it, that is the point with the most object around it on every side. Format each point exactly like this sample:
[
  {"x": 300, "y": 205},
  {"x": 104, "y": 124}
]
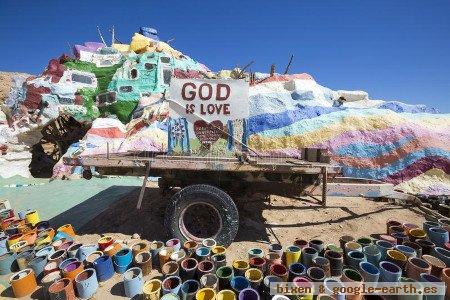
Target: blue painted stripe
[{"x": 369, "y": 150}]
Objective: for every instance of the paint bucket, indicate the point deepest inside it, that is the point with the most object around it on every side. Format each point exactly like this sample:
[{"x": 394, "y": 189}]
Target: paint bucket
[
  {"x": 209, "y": 281},
  {"x": 255, "y": 252},
  {"x": 301, "y": 243},
  {"x": 429, "y": 224},
  {"x": 133, "y": 282},
  {"x": 188, "y": 268},
  {"x": 224, "y": 274},
  {"x": 175, "y": 244},
  {"x": 344, "y": 240},
  {"x": 104, "y": 268},
  {"x": 436, "y": 264},
  {"x": 316, "y": 274},
  {"x": 384, "y": 246},
  {"x": 60, "y": 235},
  {"x": 416, "y": 234},
  {"x": 144, "y": 261},
  {"x": 226, "y": 295},
  {"x": 37, "y": 264},
  {"x": 435, "y": 282},
  {"x": 336, "y": 262},
  {"x": 155, "y": 248},
  {"x": 45, "y": 239},
  {"x": 12, "y": 239},
  {"x": 85, "y": 250},
  {"x": 86, "y": 283},
  {"x": 73, "y": 269},
  {"x": 152, "y": 289},
  {"x": 42, "y": 225},
  {"x": 23, "y": 283},
  {"x": 218, "y": 250},
  {"x": 57, "y": 256},
  {"x": 272, "y": 258},
  {"x": 317, "y": 244},
  {"x": 389, "y": 272},
  {"x": 170, "y": 296},
  {"x": 17, "y": 246},
  {"x": 50, "y": 267},
  {"x": 390, "y": 223},
  {"x": 7, "y": 263},
  {"x": 354, "y": 258},
  {"x": 331, "y": 286},
  {"x": 308, "y": 254},
  {"x": 414, "y": 246},
  {"x": 73, "y": 250},
  {"x": 438, "y": 235},
  {"x": 205, "y": 294},
  {"x": 407, "y": 251},
  {"x": 66, "y": 245},
  {"x": 277, "y": 248},
  {"x": 369, "y": 272},
  {"x": 239, "y": 267},
  {"x": 112, "y": 249},
  {"x": 202, "y": 253},
  {"x": 122, "y": 260},
  {"x": 171, "y": 284},
  {"x": 209, "y": 243},
  {"x": 417, "y": 285},
  {"x": 190, "y": 247},
  {"x": 205, "y": 267},
  {"x": 323, "y": 263},
  {"x": 364, "y": 241},
  {"x": 29, "y": 237},
  {"x": 427, "y": 246},
  {"x": 248, "y": 294},
  {"x": 66, "y": 262},
  {"x": 265, "y": 287},
  {"x": 400, "y": 237},
  {"x": 58, "y": 242},
  {"x": 46, "y": 251},
  {"x": 104, "y": 242},
  {"x": 304, "y": 283},
  {"x": 3, "y": 245},
  {"x": 333, "y": 247},
  {"x": 67, "y": 229},
  {"x": 48, "y": 280},
  {"x": 189, "y": 288},
  {"x": 354, "y": 277},
  {"x": 139, "y": 247},
  {"x": 254, "y": 277},
  {"x": 238, "y": 283},
  {"x": 446, "y": 279},
  {"x": 442, "y": 254},
  {"x": 62, "y": 289},
  {"x": 292, "y": 255},
  {"x": 32, "y": 217},
  {"x": 89, "y": 261},
  {"x": 219, "y": 260},
  {"x": 23, "y": 258},
  {"x": 416, "y": 266},
  {"x": 164, "y": 255},
  {"x": 397, "y": 258},
  {"x": 258, "y": 263},
  {"x": 170, "y": 268},
  {"x": 372, "y": 254},
  {"x": 178, "y": 256},
  {"x": 279, "y": 270}
]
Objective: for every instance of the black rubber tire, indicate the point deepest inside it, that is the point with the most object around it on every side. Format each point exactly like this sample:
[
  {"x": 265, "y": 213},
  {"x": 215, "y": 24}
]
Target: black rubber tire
[{"x": 212, "y": 195}]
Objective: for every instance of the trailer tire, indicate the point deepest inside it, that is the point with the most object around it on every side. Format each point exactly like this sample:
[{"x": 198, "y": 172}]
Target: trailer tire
[{"x": 209, "y": 196}]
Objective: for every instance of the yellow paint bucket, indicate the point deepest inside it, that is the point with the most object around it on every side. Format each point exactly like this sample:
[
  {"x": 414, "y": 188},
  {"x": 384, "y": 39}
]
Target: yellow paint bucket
[
  {"x": 67, "y": 228},
  {"x": 32, "y": 217},
  {"x": 43, "y": 240},
  {"x": 205, "y": 294},
  {"x": 17, "y": 246},
  {"x": 218, "y": 249},
  {"x": 152, "y": 289},
  {"x": 226, "y": 295},
  {"x": 292, "y": 255}
]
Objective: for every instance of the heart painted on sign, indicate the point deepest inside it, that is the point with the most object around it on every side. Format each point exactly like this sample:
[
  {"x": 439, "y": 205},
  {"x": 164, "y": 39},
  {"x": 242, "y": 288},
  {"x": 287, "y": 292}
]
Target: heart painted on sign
[{"x": 208, "y": 133}]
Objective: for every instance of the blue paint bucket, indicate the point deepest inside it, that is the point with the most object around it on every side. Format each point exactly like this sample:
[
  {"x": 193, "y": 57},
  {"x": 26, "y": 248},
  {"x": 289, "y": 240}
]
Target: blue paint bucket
[
  {"x": 238, "y": 283},
  {"x": 104, "y": 268},
  {"x": 3, "y": 245},
  {"x": 46, "y": 251},
  {"x": 429, "y": 224},
  {"x": 308, "y": 254},
  {"x": 37, "y": 264},
  {"x": 369, "y": 272},
  {"x": 171, "y": 284},
  {"x": 408, "y": 251},
  {"x": 189, "y": 288},
  {"x": 85, "y": 250},
  {"x": 384, "y": 246},
  {"x": 6, "y": 263},
  {"x": 170, "y": 296},
  {"x": 438, "y": 235},
  {"x": 434, "y": 281},
  {"x": 22, "y": 213},
  {"x": 67, "y": 262},
  {"x": 389, "y": 272},
  {"x": 72, "y": 251},
  {"x": 296, "y": 270},
  {"x": 373, "y": 254},
  {"x": 133, "y": 282},
  {"x": 354, "y": 258},
  {"x": 442, "y": 254},
  {"x": 86, "y": 283},
  {"x": 202, "y": 253},
  {"x": 122, "y": 260},
  {"x": 60, "y": 234}
]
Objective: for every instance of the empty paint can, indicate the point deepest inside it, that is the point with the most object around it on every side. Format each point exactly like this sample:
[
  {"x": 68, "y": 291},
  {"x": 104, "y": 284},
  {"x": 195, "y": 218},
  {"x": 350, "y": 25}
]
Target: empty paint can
[
  {"x": 238, "y": 283},
  {"x": 248, "y": 294},
  {"x": 170, "y": 268},
  {"x": 220, "y": 260},
  {"x": 37, "y": 264},
  {"x": 155, "y": 247},
  {"x": 68, "y": 229},
  {"x": 58, "y": 256},
  {"x": 85, "y": 251},
  {"x": 66, "y": 262},
  {"x": 3, "y": 246},
  {"x": 86, "y": 283},
  {"x": 73, "y": 250},
  {"x": 122, "y": 260},
  {"x": 188, "y": 268},
  {"x": 133, "y": 282},
  {"x": 204, "y": 267},
  {"x": 62, "y": 289},
  {"x": 32, "y": 217},
  {"x": 139, "y": 247},
  {"x": 209, "y": 281},
  {"x": 144, "y": 261},
  {"x": 104, "y": 268},
  {"x": 202, "y": 253},
  {"x": 24, "y": 258},
  {"x": 209, "y": 243},
  {"x": 23, "y": 283},
  {"x": 152, "y": 289},
  {"x": 171, "y": 284},
  {"x": 51, "y": 267},
  {"x": 174, "y": 243},
  {"x": 205, "y": 294},
  {"x": 112, "y": 249},
  {"x": 73, "y": 269},
  {"x": 189, "y": 289},
  {"x": 190, "y": 247},
  {"x": 46, "y": 251},
  {"x": 47, "y": 281}
]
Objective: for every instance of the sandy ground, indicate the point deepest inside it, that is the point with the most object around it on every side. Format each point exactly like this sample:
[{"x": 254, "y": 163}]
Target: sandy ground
[{"x": 261, "y": 221}]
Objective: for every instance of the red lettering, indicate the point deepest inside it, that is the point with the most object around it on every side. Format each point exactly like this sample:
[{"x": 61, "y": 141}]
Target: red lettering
[
  {"x": 219, "y": 96},
  {"x": 191, "y": 93},
  {"x": 200, "y": 91}
]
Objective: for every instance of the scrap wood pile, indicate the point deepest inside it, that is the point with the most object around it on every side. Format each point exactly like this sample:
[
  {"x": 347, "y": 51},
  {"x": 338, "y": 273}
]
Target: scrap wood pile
[
  {"x": 39, "y": 255},
  {"x": 115, "y": 95}
]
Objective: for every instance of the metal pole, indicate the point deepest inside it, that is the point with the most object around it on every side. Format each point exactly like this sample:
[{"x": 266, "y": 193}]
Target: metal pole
[
  {"x": 144, "y": 185},
  {"x": 324, "y": 186}
]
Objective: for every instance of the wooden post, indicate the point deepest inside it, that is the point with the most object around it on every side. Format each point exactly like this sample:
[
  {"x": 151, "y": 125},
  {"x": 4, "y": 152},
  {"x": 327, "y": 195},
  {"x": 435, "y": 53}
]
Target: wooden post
[
  {"x": 144, "y": 184},
  {"x": 324, "y": 186}
]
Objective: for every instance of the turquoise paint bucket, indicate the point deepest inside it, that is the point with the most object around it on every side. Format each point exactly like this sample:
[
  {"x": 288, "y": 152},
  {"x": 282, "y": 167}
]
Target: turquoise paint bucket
[
  {"x": 38, "y": 264},
  {"x": 7, "y": 263},
  {"x": 133, "y": 282},
  {"x": 86, "y": 283}
]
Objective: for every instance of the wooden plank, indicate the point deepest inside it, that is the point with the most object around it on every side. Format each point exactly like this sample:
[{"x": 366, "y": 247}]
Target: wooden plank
[{"x": 144, "y": 185}]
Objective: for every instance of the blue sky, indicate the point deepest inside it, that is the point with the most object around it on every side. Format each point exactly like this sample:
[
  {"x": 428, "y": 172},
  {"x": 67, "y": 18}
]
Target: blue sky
[{"x": 395, "y": 50}]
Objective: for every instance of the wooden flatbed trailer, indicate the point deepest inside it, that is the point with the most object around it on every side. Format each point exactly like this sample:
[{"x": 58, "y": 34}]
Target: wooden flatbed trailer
[{"x": 203, "y": 207}]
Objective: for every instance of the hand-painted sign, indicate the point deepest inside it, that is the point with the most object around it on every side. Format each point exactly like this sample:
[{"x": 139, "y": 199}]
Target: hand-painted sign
[{"x": 208, "y": 109}]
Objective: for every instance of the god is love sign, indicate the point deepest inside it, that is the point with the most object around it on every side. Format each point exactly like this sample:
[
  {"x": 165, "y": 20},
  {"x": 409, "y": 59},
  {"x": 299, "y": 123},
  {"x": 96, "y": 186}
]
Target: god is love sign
[{"x": 208, "y": 105}]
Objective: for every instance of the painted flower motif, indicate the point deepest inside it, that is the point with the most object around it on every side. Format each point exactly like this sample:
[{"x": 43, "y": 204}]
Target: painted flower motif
[{"x": 178, "y": 130}]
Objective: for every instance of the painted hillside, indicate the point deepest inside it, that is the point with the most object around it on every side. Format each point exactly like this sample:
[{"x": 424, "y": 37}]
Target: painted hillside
[{"x": 116, "y": 92}]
